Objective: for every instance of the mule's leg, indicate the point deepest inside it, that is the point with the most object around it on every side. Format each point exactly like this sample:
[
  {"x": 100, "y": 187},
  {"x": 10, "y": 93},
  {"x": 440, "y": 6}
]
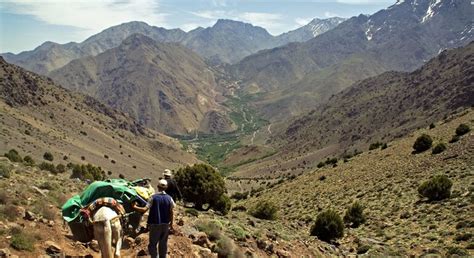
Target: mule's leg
[
  {"x": 117, "y": 236},
  {"x": 103, "y": 234}
]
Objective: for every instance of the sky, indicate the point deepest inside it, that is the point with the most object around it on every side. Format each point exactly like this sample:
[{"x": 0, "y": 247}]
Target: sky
[{"x": 26, "y": 24}]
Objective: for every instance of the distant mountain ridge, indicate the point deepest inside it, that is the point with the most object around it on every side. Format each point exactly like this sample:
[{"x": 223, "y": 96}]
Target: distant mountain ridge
[
  {"x": 226, "y": 41},
  {"x": 401, "y": 37},
  {"x": 163, "y": 85}
]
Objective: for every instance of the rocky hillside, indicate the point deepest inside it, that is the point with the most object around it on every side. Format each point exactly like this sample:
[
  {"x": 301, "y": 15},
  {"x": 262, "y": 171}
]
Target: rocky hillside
[
  {"x": 401, "y": 37},
  {"x": 314, "y": 28},
  {"x": 162, "y": 85},
  {"x": 385, "y": 181},
  {"x": 39, "y": 116},
  {"x": 389, "y": 105}
]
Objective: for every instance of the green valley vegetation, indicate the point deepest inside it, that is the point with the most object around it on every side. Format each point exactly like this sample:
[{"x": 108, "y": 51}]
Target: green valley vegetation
[{"x": 214, "y": 148}]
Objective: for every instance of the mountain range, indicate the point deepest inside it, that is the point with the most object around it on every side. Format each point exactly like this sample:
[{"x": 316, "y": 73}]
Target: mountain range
[
  {"x": 226, "y": 41},
  {"x": 296, "y": 77},
  {"x": 164, "y": 86}
]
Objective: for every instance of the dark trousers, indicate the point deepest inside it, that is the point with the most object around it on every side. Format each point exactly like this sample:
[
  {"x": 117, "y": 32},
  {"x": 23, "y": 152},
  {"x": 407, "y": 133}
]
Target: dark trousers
[{"x": 158, "y": 236}]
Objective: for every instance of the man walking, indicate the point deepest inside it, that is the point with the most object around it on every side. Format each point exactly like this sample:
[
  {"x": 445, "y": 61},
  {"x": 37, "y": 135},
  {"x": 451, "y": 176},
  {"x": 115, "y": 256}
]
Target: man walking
[
  {"x": 173, "y": 189},
  {"x": 160, "y": 220}
]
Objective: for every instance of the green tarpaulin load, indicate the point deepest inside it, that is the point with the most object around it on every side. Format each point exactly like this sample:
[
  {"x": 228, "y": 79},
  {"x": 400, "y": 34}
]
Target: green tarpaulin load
[{"x": 119, "y": 189}]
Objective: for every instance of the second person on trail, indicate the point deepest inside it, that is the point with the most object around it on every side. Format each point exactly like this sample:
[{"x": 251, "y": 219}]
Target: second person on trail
[{"x": 173, "y": 189}]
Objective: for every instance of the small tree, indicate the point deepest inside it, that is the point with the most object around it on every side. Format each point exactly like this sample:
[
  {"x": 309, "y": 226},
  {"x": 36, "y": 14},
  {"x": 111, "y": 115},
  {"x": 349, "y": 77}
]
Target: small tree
[
  {"x": 355, "y": 215},
  {"x": 328, "y": 226},
  {"x": 422, "y": 143},
  {"x": 462, "y": 129},
  {"x": 437, "y": 188},
  {"x": 440, "y": 147},
  {"x": 264, "y": 209},
  {"x": 48, "y": 156},
  {"x": 200, "y": 184}
]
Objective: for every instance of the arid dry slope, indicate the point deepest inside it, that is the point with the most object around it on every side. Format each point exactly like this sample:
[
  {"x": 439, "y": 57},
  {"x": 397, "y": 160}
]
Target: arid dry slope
[
  {"x": 163, "y": 86},
  {"x": 38, "y": 116},
  {"x": 377, "y": 109},
  {"x": 399, "y": 222}
]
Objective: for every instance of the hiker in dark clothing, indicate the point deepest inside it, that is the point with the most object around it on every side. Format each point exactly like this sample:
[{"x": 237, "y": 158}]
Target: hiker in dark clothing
[
  {"x": 173, "y": 189},
  {"x": 160, "y": 220}
]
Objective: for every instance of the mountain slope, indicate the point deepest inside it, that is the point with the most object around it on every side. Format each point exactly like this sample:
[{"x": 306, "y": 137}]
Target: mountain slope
[
  {"x": 377, "y": 109},
  {"x": 385, "y": 182},
  {"x": 164, "y": 86},
  {"x": 400, "y": 37},
  {"x": 38, "y": 116},
  {"x": 314, "y": 28}
]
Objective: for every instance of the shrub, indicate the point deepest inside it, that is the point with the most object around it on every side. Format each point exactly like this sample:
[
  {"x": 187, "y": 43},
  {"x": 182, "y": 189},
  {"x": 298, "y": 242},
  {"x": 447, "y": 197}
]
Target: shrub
[
  {"x": 48, "y": 156},
  {"x": 238, "y": 232},
  {"x": 432, "y": 125},
  {"x": 332, "y": 161},
  {"x": 224, "y": 247},
  {"x": 320, "y": 164},
  {"x": 375, "y": 145},
  {"x": 29, "y": 161},
  {"x": 60, "y": 168},
  {"x": 462, "y": 129},
  {"x": 328, "y": 226},
  {"x": 223, "y": 204},
  {"x": 200, "y": 184},
  {"x": 48, "y": 167},
  {"x": 22, "y": 241},
  {"x": 384, "y": 146},
  {"x": 440, "y": 147},
  {"x": 5, "y": 170},
  {"x": 422, "y": 143},
  {"x": 192, "y": 212},
  {"x": 240, "y": 196},
  {"x": 4, "y": 199},
  {"x": 87, "y": 172},
  {"x": 9, "y": 212},
  {"x": 264, "y": 210},
  {"x": 212, "y": 228},
  {"x": 13, "y": 156},
  {"x": 454, "y": 139},
  {"x": 355, "y": 215},
  {"x": 437, "y": 188}
]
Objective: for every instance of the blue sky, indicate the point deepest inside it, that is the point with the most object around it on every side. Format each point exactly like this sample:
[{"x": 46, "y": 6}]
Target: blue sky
[{"x": 25, "y": 24}]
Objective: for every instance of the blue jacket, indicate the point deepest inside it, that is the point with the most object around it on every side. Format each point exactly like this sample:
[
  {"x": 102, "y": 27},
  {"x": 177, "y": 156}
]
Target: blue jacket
[{"x": 160, "y": 206}]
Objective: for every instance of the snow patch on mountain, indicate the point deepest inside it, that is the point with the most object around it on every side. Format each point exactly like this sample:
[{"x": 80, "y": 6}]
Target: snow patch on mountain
[{"x": 431, "y": 11}]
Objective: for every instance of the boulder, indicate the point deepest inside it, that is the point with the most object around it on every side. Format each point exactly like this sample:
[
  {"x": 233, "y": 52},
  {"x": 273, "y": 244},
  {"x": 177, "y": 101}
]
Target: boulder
[
  {"x": 52, "y": 248},
  {"x": 5, "y": 252},
  {"x": 201, "y": 239},
  {"x": 30, "y": 216},
  {"x": 94, "y": 245},
  {"x": 283, "y": 254}
]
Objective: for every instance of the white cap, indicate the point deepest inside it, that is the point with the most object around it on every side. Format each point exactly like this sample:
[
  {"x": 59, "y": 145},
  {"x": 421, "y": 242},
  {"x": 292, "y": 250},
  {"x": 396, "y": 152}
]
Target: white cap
[
  {"x": 163, "y": 183},
  {"x": 167, "y": 172}
]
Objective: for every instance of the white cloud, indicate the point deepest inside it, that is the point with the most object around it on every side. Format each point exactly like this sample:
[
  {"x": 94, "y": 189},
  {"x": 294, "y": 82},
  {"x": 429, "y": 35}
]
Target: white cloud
[
  {"x": 303, "y": 21},
  {"x": 213, "y": 15},
  {"x": 91, "y": 16},
  {"x": 330, "y": 14}
]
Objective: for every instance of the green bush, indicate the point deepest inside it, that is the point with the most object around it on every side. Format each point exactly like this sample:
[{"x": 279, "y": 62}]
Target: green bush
[
  {"x": 29, "y": 161},
  {"x": 332, "y": 161},
  {"x": 60, "y": 168},
  {"x": 88, "y": 172},
  {"x": 321, "y": 164},
  {"x": 223, "y": 204},
  {"x": 437, "y": 188},
  {"x": 192, "y": 212},
  {"x": 422, "y": 143},
  {"x": 212, "y": 228},
  {"x": 462, "y": 129},
  {"x": 22, "y": 241},
  {"x": 13, "y": 156},
  {"x": 48, "y": 167},
  {"x": 240, "y": 196},
  {"x": 48, "y": 156},
  {"x": 264, "y": 210},
  {"x": 432, "y": 125},
  {"x": 454, "y": 139},
  {"x": 384, "y": 146},
  {"x": 375, "y": 145},
  {"x": 5, "y": 170},
  {"x": 440, "y": 147},
  {"x": 328, "y": 226},
  {"x": 200, "y": 184},
  {"x": 355, "y": 215}
]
